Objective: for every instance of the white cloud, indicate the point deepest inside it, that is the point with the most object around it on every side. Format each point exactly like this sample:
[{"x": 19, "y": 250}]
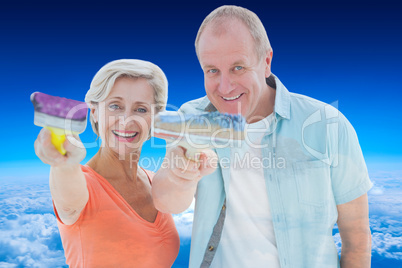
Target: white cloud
[
  {"x": 387, "y": 242},
  {"x": 28, "y": 230},
  {"x": 184, "y": 222},
  {"x": 338, "y": 243},
  {"x": 387, "y": 245},
  {"x": 377, "y": 190},
  {"x": 385, "y": 198},
  {"x": 32, "y": 241}
]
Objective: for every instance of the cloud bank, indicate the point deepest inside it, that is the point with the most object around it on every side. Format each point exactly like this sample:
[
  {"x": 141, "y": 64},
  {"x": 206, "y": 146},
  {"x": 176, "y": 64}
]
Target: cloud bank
[{"x": 29, "y": 236}]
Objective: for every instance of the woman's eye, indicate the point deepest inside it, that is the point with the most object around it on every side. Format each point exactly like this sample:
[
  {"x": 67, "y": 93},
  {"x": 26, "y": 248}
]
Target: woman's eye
[
  {"x": 141, "y": 110},
  {"x": 113, "y": 107}
]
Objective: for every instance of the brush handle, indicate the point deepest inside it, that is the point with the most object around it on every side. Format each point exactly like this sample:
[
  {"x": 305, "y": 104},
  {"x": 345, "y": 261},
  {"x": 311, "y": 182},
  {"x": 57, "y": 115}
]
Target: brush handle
[{"x": 58, "y": 137}]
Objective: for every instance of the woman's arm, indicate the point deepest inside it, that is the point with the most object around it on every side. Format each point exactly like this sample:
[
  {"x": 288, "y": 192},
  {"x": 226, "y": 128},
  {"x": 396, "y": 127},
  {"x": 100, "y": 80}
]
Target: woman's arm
[{"x": 67, "y": 181}]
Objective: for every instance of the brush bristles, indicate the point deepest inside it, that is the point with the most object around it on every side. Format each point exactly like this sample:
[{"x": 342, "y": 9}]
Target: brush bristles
[
  {"x": 214, "y": 125},
  {"x": 62, "y": 113},
  {"x": 59, "y": 107}
]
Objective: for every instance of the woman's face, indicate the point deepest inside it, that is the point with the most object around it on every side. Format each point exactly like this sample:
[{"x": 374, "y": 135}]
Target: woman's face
[{"x": 124, "y": 117}]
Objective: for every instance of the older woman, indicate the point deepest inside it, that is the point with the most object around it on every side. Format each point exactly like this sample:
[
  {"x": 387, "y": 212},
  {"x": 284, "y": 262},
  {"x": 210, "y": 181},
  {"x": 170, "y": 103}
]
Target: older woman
[{"x": 104, "y": 209}]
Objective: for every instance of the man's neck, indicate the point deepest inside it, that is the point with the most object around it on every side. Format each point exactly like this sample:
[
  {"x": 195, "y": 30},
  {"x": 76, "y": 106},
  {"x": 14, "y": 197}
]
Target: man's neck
[{"x": 265, "y": 107}]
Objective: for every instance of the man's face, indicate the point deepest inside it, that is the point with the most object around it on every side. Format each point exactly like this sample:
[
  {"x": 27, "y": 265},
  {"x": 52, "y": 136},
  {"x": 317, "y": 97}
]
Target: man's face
[{"x": 234, "y": 77}]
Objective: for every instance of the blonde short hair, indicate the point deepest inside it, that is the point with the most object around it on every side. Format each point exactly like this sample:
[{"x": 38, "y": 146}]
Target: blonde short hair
[
  {"x": 250, "y": 19},
  {"x": 104, "y": 80}
]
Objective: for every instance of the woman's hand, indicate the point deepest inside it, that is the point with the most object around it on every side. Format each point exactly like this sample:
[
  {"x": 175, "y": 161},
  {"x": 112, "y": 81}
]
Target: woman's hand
[{"x": 46, "y": 151}]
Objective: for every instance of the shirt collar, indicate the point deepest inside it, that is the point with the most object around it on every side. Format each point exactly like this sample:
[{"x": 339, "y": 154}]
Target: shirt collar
[{"x": 282, "y": 101}]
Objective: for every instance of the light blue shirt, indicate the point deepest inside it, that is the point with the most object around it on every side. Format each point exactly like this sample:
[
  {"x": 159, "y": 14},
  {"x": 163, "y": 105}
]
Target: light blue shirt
[{"x": 313, "y": 162}]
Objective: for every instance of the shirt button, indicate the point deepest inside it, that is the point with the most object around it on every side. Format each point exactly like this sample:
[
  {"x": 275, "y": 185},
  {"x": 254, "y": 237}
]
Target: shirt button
[
  {"x": 211, "y": 248},
  {"x": 223, "y": 207}
]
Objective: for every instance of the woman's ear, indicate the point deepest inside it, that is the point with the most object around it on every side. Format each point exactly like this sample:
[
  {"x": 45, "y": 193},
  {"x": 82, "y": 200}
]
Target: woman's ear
[{"x": 94, "y": 113}]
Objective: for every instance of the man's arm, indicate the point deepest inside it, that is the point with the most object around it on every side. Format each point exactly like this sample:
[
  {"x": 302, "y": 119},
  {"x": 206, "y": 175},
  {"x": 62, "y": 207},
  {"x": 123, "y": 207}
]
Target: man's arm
[
  {"x": 354, "y": 229},
  {"x": 175, "y": 183}
]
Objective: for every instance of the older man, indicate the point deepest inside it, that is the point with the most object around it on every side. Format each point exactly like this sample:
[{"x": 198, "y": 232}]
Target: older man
[{"x": 275, "y": 201}]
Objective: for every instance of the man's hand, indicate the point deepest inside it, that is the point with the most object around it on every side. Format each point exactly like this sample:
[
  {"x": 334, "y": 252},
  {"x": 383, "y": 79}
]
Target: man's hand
[
  {"x": 186, "y": 173},
  {"x": 175, "y": 183}
]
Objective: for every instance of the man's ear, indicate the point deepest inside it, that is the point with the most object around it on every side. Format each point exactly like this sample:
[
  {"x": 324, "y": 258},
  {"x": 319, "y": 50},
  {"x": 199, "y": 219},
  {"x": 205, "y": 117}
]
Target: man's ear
[{"x": 268, "y": 60}]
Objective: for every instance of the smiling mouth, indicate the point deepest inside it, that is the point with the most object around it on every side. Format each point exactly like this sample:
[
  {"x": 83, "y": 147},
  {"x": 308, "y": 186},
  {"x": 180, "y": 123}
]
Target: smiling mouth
[
  {"x": 124, "y": 135},
  {"x": 232, "y": 98}
]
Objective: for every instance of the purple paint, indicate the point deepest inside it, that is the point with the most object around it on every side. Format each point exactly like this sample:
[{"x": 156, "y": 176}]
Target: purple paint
[{"x": 60, "y": 107}]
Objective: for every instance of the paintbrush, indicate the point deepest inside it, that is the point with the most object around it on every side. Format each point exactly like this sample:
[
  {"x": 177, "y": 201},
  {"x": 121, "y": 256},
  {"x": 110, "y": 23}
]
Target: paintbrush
[
  {"x": 196, "y": 132},
  {"x": 60, "y": 115}
]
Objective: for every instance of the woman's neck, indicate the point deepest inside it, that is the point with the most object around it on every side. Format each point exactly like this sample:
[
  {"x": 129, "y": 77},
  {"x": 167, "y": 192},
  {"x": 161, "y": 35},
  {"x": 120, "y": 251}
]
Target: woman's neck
[{"x": 110, "y": 165}]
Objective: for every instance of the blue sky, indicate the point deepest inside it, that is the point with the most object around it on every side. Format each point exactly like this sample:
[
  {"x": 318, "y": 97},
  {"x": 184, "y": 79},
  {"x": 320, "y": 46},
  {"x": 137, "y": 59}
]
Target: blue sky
[
  {"x": 338, "y": 51},
  {"x": 345, "y": 51}
]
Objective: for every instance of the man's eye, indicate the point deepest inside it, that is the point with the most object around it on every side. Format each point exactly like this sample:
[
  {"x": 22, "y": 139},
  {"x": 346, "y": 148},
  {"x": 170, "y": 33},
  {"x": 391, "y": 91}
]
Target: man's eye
[
  {"x": 142, "y": 110},
  {"x": 238, "y": 68},
  {"x": 113, "y": 107},
  {"x": 213, "y": 71}
]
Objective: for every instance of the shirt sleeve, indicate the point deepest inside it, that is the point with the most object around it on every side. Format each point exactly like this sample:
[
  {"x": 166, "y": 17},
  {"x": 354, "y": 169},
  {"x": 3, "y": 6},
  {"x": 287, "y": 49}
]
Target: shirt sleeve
[{"x": 349, "y": 174}]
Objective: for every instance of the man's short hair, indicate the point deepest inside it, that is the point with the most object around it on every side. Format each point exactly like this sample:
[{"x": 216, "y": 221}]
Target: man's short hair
[{"x": 250, "y": 19}]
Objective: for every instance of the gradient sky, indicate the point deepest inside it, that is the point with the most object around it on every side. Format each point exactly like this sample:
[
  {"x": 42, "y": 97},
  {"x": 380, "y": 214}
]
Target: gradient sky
[{"x": 345, "y": 51}]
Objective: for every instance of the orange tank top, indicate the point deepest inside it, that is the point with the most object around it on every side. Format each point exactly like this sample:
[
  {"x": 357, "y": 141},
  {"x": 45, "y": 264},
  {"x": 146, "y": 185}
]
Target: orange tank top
[{"x": 109, "y": 233}]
